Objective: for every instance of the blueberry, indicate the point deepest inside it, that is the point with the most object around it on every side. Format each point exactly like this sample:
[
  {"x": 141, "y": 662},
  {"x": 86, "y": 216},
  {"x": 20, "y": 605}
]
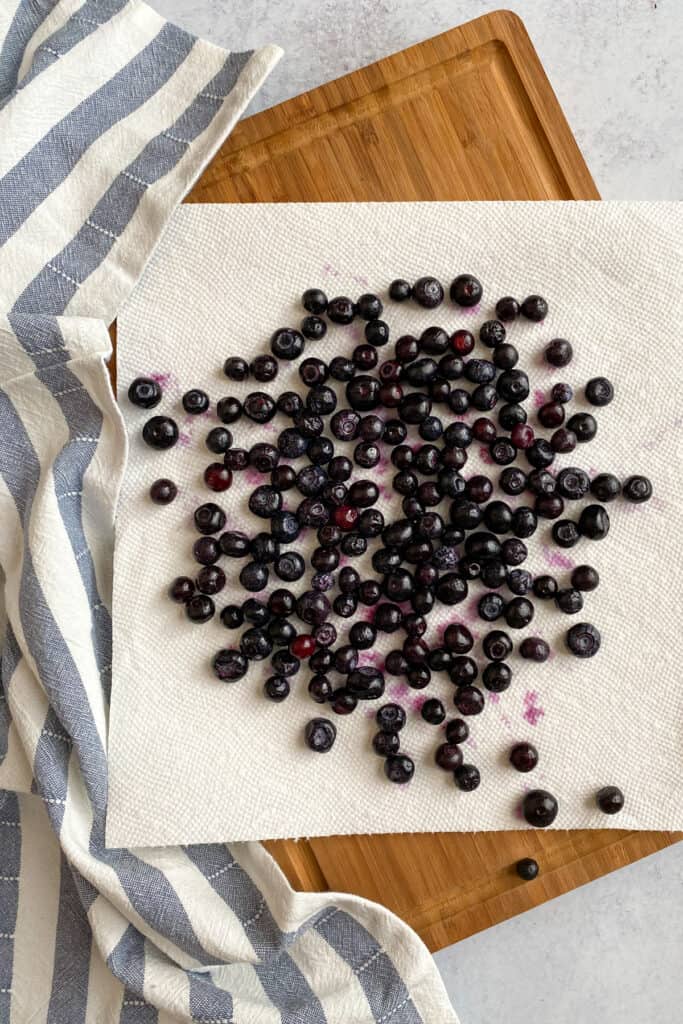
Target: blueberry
[
  {"x": 491, "y": 607},
  {"x": 341, "y": 310},
  {"x": 236, "y": 459},
  {"x": 605, "y": 487},
  {"x": 505, "y": 356},
  {"x": 565, "y": 533},
  {"x": 559, "y": 352},
  {"x": 637, "y": 489},
  {"x": 218, "y": 440},
  {"x": 283, "y": 478},
  {"x": 235, "y": 368},
  {"x": 467, "y": 777},
  {"x": 144, "y": 392},
  {"x": 610, "y": 799},
  {"x": 527, "y": 869},
  {"x": 545, "y": 587},
  {"x": 276, "y": 688},
  {"x": 519, "y": 612},
  {"x": 362, "y": 393},
  {"x": 594, "y": 522},
  {"x": 450, "y": 589},
  {"x": 497, "y": 676},
  {"x": 206, "y": 550},
  {"x": 497, "y": 645},
  {"x": 284, "y": 663},
  {"x": 210, "y": 579},
  {"x": 539, "y": 454},
  {"x": 549, "y": 506},
  {"x": 369, "y": 307},
  {"x": 314, "y": 301},
  {"x": 551, "y": 415},
  {"x": 534, "y": 308},
  {"x": 563, "y": 441},
  {"x": 400, "y": 290},
  {"x": 469, "y": 700},
  {"x": 259, "y": 407},
  {"x": 584, "y": 577},
  {"x": 229, "y": 409},
  {"x": 524, "y": 757},
  {"x": 583, "y": 425},
  {"x": 599, "y": 391},
  {"x": 540, "y": 808},
  {"x": 163, "y": 492},
  {"x": 513, "y": 386},
  {"x": 160, "y": 432},
  {"x": 229, "y": 665},
  {"x": 513, "y": 551},
  {"x": 365, "y": 357},
  {"x": 287, "y": 343},
  {"x": 254, "y": 577},
  {"x": 562, "y": 393},
  {"x": 448, "y": 756},
  {"x": 572, "y": 483},
  {"x": 342, "y": 368},
  {"x": 363, "y": 635},
  {"x": 507, "y": 309},
  {"x": 524, "y": 522},
  {"x": 265, "y": 501},
  {"x": 512, "y": 481},
  {"x": 386, "y": 743},
  {"x": 583, "y": 640},
  {"x": 533, "y": 648},
  {"x": 433, "y": 711},
  {"x": 399, "y": 767},
  {"x": 320, "y": 688},
  {"x": 511, "y": 415},
  {"x": 195, "y": 402},
  {"x": 462, "y": 342},
  {"x": 390, "y": 718},
  {"x": 255, "y": 644},
  {"x": 342, "y": 702},
  {"x": 492, "y": 333},
  {"x": 181, "y": 590},
  {"x": 428, "y": 292},
  {"x": 200, "y": 608},
  {"x": 466, "y": 291},
  {"x": 457, "y": 638},
  {"x": 289, "y": 404},
  {"x": 313, "y": 327},
  {"x": 320, "y": 734},
  {"x": 217, "y": 477},
  {"x": 457, "y": 730},
  {"x": 234, "y": 544}
]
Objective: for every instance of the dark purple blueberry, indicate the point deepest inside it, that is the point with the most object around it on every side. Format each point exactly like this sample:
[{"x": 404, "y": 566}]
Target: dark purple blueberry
[
  {"x": 605, "y": 487},
  {"x": 276, "y": 688},
  {"x": 545, "y": 587},
  {"x": 534, "y": 308},
  {"x": 218, "y": 440},
  {"x": 314, "y": 301},
  {"x": 399, "y": 768},
  {"x": 519, "y": 612},
  {"x": 308, "y": 423},
  {"x": 428, "y": 292},
  {"x": 433, "y": 711},
  {"x": 448, "y": 755},
  {"x": 513, "y": 386},
  {"x": 284, "y": 663},
  {"x": 341, "y": 310},
  {"x": 458, "y": 401},
  {"x": 457, "y": 730},
  {"x": 566, "y": 533},
  {"x": 343, "y": 702},
  {"x": 320, "y": 688},
  {"x": 497, "y": 645},
  {"x": 462, "y": 343},
  {"x": 599, "y": 391},
  {"x": 229, "y": 665},
  {"x": 377, "y": 333},
  {"x": 144, "y": 392},
  {"x": 390, "y": 718},
  {"x": 549, "y": 506},
  {"x": 363, "y": 635},
  {"x": 264, "y": 457},
  {"x": 583, "y": 640},
  {"x": 503, "y": 451},
  {"x": 484, "y": 397},
  {"x": 434, "y": 341},
  {"x": 210, "y": 580},
  {"x": 469, "y": 700},
  {"x": 163, "y": 492},
  {"x": 527, "y": 869},
  {"x": 259, "y": 407},
  {"x": 313, "y": 371},
  {"x": 320, "y": 734},
  {"x": 533, "y": 648},
  {"x": 562, "y": 393},
  {"x": 236, "y": 459},
  {"x": 507, "y": 309},
  {"x": 386, "y": 743},
  {"x": 363, "y": 493},
  {"x": 466, "y": 290},
  {"x": 283, "y": 478},
  {"x": 255, "y": 644},
  {"x": 458, "y": 639},
  {"x": 369, "y": 307},
  {"x": 540, "y": 808},
  {"x": 594, "y": 522},
  {"x": 395, "y": 663},
  {"x": 498, "y": 517},
  {"x": 314, "y": 328},
  {"x": 206, "y": 550},
  {"x": 479, "y": 489},
  {"x": 234, "y": 544},
  {"x": 160, "y": 432},
  {"x": 365, "y": 682},
  {"x": 388, "y": 617},
  {"x": 569, "y": 600},
  {"x": 217, "y": 477},
  {"x": 551, "y": 415},
  {"x": 540, "y": 454},
  {"x": 362, "y": 393},
  {"x": 524, "y": 757},
  {"x": 563, "y": 441},
  {"x": 282, "y": 632},
  {"x": 195, "y": 402},
  {"x": 610, "y": 799},
  {"x": 450, "y": 589},
  {"x": 325, "y": 635},
  {"x": 414, "y": 407},
  {"x": 637, "y": 489},
  {"x": 524, "y": 522},
  {"x": 254, "y": 577},
  {"x": 365, "y": 357},
  {"x": 497, "y": 676},
  {"x": 583, "y": 425},
  {"x": 366, "y": 454},
  {"x": 467, "y": 777},
  {"x": 418, "y": 676},
  {"x": 311, "y": 480},
  {"x": 281, "y": 602},
  {"x": 512, "y": 415},
  {"x": 513, "y": 551},
  {"x": 289, "y": 566},
  {"x": 289, "y": 404},
  {"x": 313, "y": 608},
  {"x": 265, "y": 501},
  {"x": 479, "y": 371},
  {"x": 492, "y": 333},
  {"x": 235, "y": 368},
  {"x": 505, "y": 356},
  {"x": 584, "y": 577},
  {"x": 439, "y": 659},
  {"x": 573, "y": 483},
  {"x": 229, "y": 409},
  {"x": 287, "y": 343},
  {"x": 181, "y": 590},
  {"x": 512, "y": 481},
  {"x": 400, "y": 290}
]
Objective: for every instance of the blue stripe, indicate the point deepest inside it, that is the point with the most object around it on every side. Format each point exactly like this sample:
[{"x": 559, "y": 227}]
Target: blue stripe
[
  {"x": 382, "y": 984},
  {"x": 27, "y": 19},
  {"x": 52, "y": 159},
  {"x": 127, "y": 962},
  {"x": 207, "y": 1002},
  {"x": 11, "y": 656},
  {"x": 117, "y": 207},
  {"x": 290, "y": 993},
  {"x": 73, "y": 938},
  {"x": 10, "y": 862},
  {"x": 79, "y": 26}
]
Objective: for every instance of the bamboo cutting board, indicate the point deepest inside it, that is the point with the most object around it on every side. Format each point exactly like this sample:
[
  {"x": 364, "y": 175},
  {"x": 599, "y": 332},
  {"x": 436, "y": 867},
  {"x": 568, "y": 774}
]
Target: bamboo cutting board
[{"x": 470, "y": 115}]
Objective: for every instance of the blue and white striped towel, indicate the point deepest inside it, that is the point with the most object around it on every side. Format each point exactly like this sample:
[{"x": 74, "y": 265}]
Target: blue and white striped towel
[{"x": 107, "y": 116}]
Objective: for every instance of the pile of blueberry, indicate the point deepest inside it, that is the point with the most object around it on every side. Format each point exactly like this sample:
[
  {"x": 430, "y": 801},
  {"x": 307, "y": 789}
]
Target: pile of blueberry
[{"x": 406, "y": 405}]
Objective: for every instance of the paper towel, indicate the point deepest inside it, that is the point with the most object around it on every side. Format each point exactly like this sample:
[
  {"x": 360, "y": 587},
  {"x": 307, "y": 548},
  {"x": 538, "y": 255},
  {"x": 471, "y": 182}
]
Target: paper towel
[{"x": 195, "y": 760}]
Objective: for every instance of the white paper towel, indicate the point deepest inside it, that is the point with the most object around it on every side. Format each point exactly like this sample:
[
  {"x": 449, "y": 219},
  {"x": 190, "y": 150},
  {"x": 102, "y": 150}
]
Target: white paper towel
[{"x": 194, "y": 760}]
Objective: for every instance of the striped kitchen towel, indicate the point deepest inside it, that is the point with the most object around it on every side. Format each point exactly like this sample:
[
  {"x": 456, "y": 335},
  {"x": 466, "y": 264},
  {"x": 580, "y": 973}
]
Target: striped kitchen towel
[{"x": 107, "y": 115}]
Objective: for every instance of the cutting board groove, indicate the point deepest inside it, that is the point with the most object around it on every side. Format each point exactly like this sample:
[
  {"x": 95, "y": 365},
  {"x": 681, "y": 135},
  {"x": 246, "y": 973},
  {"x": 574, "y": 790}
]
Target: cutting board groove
[{"x": 471, "y": 115}]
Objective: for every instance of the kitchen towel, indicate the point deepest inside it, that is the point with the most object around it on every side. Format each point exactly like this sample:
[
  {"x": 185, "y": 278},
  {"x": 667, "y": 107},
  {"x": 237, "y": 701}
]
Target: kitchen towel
[
  {"x": 107, "y": 115},
  {"x": 222, "y": 760}
]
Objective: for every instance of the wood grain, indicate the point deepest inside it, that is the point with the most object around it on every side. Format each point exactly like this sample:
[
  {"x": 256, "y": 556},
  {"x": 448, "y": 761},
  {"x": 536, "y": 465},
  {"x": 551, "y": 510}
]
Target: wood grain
[{"x": 467, "y": 115}]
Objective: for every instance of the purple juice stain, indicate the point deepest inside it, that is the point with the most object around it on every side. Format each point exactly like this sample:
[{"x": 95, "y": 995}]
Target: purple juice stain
[
  {"x": 485, "y": 455},
  {"x": 539, "y": 398},
  {"x": 556, "y": 560},
  {"x": 532, "y": 711}
]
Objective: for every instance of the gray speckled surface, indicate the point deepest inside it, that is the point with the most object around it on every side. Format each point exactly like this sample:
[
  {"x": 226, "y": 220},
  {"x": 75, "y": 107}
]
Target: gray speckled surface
[
  {"x": 615, "y": 64},
  {"x": 610, "y": 951}
]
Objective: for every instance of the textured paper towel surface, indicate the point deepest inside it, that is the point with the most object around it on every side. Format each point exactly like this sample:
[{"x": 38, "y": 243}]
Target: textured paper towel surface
[{"x": 194, "y": 760}]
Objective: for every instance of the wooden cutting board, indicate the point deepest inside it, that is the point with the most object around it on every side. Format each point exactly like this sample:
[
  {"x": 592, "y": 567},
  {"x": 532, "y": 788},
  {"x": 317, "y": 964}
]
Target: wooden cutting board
[{"x": 469, "y": 114}]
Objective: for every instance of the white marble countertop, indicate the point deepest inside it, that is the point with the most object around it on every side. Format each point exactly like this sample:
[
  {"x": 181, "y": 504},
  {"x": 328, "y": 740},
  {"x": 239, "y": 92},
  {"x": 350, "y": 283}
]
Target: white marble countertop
[
  {"x": 616, "y": 65},
  {"x": 610, "y": 951}
]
